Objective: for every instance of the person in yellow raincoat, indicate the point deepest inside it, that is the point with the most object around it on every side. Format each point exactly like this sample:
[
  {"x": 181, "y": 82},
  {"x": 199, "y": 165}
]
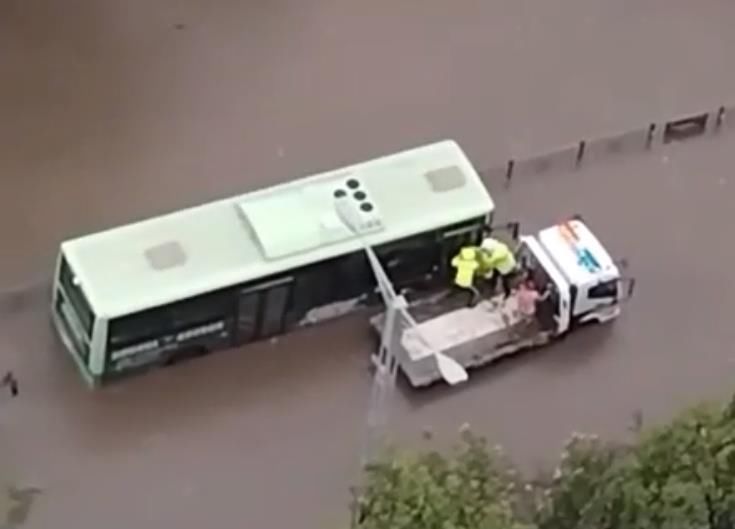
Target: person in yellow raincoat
[
  {"x": 467, "y": 264},
  {"x": 497, "y": 264}
]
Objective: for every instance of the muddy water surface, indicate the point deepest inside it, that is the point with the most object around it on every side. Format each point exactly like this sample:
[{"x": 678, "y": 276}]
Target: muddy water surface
[{"x": 115, "y": 111}]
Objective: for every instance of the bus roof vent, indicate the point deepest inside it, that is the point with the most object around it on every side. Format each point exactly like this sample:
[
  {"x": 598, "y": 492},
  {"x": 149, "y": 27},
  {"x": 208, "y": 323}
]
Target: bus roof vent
[
  {"x": 165, "y": 255},
  {"x": 354, "y": 206},
  {"x": 446, "y": 179}
]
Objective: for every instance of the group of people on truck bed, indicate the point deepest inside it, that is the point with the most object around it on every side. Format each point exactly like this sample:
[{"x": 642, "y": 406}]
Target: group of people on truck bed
[{"x": 494, "y": 262}]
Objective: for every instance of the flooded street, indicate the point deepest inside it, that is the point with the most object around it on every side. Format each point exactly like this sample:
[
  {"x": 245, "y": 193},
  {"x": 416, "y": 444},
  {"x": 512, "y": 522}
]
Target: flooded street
[{"x": 116, "y": 111}]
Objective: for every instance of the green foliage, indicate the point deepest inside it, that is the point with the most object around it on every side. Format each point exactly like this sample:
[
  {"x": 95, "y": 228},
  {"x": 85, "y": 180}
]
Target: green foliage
[
  {"x": 676, "y": 476},
  {"x": 470, "y": 489},
  {"x": 681, "y": 475},
  {"x": 570, "y": 497}
]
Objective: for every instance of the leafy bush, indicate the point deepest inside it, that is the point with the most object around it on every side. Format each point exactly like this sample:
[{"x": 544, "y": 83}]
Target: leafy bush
[
  {"x": 571, "y": 496},
  {"x": 677, "y": 476},
  {"x": 469, "y": 489},
  {"x": 681, "y": 475}
]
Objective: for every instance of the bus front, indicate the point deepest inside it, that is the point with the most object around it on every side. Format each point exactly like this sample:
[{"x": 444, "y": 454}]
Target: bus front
[{"x": 74, "y": 318}]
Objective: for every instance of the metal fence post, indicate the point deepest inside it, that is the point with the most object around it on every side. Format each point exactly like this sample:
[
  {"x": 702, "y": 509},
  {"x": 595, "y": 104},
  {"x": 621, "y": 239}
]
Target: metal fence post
[
  {"x": 580, "y": 153},
  {"x": 509, "y": 172}
]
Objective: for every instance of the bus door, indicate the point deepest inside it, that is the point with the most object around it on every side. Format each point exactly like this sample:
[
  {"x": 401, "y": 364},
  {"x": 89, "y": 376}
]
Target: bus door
[{"x": 261, "y": 310}]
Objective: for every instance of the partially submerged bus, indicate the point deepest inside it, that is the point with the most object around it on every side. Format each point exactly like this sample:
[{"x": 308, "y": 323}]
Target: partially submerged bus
[{"x": 250, "y": 267}]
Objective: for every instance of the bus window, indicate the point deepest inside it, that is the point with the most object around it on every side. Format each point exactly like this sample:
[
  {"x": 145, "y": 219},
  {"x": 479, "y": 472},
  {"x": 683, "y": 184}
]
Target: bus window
[
  {"x": 275, "y": 301},
  {"x": 200, "y": 310},
  {"x": 352, "y": 276},
  {"x": 455, "y": 237},
  {"x": 409, "y": 260},
  {"x": 135, "y": 328},
  {"x": 73, "y": 313},
  {"x": 262, "y": 310},
  {"x": 76, "y": 298},
  {"x": 314, "y": 287},
  {"x": 170, "y": 319},
  {"x": 142, "y": 338},
  {"x": 71, "y": 329},
  {"x": 248, "y": 306}
]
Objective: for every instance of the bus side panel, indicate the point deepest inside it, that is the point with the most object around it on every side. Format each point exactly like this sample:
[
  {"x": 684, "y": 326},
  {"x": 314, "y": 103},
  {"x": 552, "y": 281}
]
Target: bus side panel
[
  {"x": 160, "y": 335},
  {"x": 216, "y": 320}
]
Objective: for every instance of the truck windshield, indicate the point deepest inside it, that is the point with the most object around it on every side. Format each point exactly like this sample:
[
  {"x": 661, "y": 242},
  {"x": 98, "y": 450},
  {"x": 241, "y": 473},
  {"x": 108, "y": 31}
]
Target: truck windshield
[{"x": 76, "y": 297}]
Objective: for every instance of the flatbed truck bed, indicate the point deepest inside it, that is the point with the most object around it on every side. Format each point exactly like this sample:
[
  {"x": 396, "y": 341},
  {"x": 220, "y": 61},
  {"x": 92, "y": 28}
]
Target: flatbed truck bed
[{"x": 472, "y": 336}]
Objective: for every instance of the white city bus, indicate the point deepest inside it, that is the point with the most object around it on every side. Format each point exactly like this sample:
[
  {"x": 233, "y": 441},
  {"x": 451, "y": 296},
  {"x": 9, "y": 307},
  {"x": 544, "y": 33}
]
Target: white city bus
[{"x": 253, "y": 266}]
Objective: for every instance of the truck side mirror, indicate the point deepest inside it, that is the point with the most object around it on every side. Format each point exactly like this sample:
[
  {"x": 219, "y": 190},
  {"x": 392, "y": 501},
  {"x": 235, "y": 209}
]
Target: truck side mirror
[
  {"x": 626, "y": 287},
  {"x": 515, "y": 228}
]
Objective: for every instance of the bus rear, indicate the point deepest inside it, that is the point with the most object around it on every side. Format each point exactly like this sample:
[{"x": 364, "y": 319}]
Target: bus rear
[{"x": 75, "y": 320}]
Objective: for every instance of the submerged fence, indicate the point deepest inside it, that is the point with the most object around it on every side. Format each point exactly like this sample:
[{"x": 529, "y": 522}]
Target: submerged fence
[{"x": 641, "y": 139}]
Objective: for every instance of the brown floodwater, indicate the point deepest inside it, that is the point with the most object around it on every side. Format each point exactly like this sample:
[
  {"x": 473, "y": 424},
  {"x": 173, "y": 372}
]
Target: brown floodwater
[{"x": 112, "y": 111}]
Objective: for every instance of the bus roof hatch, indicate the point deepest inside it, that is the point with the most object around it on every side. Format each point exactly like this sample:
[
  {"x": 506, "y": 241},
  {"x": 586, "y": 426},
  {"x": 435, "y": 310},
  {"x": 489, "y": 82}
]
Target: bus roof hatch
[
  {"x": 283, "y": 225},
  {"x": 289, "y": 223}
]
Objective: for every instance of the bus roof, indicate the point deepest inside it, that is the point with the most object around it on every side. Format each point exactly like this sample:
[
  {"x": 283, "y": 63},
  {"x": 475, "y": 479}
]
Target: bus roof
[{"x": 235, "y": 240}]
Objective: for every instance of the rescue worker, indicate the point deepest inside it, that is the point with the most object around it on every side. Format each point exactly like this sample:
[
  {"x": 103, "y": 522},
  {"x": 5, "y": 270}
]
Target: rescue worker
[
  {"x": 466, "y": 264},
  {"x": 498, "y": 263}
]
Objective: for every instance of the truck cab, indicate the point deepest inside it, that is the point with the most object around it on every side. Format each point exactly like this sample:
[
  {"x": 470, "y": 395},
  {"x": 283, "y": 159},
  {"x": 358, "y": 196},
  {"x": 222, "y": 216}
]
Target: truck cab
[{"x": 586, "y": 284}]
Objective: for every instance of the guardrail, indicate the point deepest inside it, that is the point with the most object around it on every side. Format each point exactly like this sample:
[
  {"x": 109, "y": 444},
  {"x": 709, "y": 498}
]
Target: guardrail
[{"x": 580, "y": 154}]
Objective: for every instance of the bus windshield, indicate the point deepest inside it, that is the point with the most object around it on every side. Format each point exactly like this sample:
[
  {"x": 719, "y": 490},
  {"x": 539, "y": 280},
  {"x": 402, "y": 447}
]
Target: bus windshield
[{"x": 76, "y": 297}]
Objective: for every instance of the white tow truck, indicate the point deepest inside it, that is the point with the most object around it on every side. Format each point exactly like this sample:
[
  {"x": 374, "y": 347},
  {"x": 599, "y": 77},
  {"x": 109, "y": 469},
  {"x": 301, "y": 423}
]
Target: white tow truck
[{"x": 584, "y": 285}]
